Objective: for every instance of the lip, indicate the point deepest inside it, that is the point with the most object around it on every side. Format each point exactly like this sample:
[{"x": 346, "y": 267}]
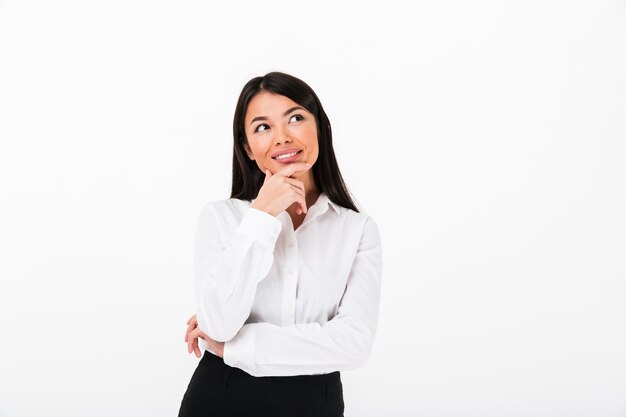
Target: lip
[
  {"x": 274, "y": 155},
  {"x": 290, "y": 159}
]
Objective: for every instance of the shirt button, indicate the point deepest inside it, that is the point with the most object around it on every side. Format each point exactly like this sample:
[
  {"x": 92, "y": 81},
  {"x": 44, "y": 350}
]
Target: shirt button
[
  {"x": 289, "y": 307},
  {"x": 290, "y": 245}
]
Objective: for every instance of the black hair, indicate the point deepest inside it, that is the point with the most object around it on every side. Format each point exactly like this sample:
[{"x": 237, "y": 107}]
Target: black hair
[{"x": 248, "y": 178}]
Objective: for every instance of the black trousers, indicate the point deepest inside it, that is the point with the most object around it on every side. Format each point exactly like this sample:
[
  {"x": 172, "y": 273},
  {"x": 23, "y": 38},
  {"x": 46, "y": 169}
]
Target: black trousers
[{"x": 217, "y": 389}]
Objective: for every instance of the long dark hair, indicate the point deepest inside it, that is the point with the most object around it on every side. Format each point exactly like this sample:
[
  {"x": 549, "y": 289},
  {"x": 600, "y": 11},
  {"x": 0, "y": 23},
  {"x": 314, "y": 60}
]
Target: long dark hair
[{"x": 248, "y": 178}]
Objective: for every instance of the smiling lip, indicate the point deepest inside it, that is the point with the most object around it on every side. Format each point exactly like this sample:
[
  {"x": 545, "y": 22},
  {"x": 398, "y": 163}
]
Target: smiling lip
[
  {"x": 290, "y": 159},
  {"x": 285, "y": 151}
]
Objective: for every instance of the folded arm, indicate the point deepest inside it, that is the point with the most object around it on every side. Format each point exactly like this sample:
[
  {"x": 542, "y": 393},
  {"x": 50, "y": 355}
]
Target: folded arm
[
  {"x": 228, "y": 269},
  {"x": 344, "y": 342}
]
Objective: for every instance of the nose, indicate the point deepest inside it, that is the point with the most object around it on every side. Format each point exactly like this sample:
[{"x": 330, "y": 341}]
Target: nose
[{"x": 281, "y": 136}]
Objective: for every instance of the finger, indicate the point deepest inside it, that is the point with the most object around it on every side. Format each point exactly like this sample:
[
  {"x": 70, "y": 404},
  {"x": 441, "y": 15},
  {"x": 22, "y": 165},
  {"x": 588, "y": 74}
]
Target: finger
[
  {"x": 299, "y": 198},
  {"x": 189, "y": 344},
  {"x": 198, "y": 334},
  {"x": 296, "y": 183},
  {"x": 300, "y": 204},
  {"x": 194, "y": 348},
  {"x": 192, "y": 318},
  {"x": 190, "y": 327},
  {"x": 203, "y": 336},
  {"x": 298, "y": 190},
  {"x": 191, "y": 339},
  {"x": 293, "y": 168},
  {"x": 296, "y": 186},
  {"x": 197, "y": 350}
]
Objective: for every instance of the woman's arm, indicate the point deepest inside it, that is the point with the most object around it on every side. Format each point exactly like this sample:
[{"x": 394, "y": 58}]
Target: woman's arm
[
  {"x": 227, "y": 270},
  {"x": 344, "y": 342}
]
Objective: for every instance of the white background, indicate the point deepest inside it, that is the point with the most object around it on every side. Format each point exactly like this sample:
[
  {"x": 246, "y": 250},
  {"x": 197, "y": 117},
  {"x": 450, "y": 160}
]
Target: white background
[{"x": 486, "y": 138}]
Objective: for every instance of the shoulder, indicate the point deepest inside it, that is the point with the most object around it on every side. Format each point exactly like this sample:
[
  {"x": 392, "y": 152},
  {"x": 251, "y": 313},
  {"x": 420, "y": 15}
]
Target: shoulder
[
  {"x": 224, "y": 205},
  {"x": 363, "y": 221},
  {"x": 225, "y": 210}
]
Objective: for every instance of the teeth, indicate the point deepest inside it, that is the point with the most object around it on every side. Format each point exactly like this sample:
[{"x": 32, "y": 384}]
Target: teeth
[{"x": 286, "y": 155}]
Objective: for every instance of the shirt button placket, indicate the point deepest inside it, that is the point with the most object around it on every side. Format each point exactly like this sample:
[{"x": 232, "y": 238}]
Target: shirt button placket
[{"x": 291, "y": 270}]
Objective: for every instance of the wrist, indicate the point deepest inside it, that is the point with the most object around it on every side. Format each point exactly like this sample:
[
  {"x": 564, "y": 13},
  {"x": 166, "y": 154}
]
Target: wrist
[{"x": 262, "y": 208}]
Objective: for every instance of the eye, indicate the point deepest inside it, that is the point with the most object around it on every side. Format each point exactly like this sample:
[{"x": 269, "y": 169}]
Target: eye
[
  {"x": 297, "y": 115},
  {"x": 257, "y": 128}
]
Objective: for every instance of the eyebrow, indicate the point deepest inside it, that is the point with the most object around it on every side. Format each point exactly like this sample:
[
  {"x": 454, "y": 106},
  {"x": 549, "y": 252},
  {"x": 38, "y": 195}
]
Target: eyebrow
[{"x": 284, "y": 114}]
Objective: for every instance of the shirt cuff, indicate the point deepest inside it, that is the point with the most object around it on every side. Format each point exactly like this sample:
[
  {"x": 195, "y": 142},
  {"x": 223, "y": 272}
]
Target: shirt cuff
[
  {"x": 239, "y": 351},
  {"x": 261, "y": 226}
]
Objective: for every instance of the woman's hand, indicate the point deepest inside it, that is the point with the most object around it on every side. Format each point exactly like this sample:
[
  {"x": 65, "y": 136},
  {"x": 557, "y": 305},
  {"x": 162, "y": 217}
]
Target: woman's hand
[
  {"x": 193, "y": 333},
  {"x": 279, "y": 191}
]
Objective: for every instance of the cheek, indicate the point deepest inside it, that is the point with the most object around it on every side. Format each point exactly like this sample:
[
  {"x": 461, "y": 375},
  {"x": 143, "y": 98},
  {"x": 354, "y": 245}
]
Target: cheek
[
  {"x": 311, "y": 137},
  {"x": 258, "y": 149}
]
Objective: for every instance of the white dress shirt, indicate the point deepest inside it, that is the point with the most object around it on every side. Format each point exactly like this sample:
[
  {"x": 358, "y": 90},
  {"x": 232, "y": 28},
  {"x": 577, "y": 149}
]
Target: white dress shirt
[{"x": 284, "y": 301}]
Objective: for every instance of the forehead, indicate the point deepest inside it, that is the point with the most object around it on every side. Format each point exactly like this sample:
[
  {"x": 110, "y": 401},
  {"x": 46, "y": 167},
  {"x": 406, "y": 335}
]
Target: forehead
[{"x": 268, "y": 104}]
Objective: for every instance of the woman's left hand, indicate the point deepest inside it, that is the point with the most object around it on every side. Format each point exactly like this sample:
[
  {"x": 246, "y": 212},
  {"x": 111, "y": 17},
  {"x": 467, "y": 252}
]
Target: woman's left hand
[{"x": 193, "y": 333}]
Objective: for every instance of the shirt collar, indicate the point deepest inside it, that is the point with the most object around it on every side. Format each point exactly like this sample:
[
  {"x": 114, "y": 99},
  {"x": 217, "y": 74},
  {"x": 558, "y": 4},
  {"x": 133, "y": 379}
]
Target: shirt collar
[{"x": 323, "y": 199}]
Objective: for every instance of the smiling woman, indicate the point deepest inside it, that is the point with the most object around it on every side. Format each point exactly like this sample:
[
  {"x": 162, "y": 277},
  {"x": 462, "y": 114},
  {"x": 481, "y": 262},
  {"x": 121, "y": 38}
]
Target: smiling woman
[
  {"x": 280, "y": 137},
  {"x": 287, "y": 270}
]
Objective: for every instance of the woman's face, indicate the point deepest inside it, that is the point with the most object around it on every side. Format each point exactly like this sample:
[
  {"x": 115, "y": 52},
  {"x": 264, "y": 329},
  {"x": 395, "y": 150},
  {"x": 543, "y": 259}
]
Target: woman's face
[{"x": 274, "y": 124}]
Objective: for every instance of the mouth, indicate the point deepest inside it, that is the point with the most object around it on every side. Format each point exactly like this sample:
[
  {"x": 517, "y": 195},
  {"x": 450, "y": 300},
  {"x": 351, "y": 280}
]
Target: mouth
[{"x": 287, "y": 157}]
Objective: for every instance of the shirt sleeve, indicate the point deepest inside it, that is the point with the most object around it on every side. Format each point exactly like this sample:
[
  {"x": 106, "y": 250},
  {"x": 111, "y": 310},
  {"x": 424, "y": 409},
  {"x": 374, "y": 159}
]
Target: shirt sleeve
[
  {"x": 227, "y": 270},
  {"x": 342, "y": 343}
]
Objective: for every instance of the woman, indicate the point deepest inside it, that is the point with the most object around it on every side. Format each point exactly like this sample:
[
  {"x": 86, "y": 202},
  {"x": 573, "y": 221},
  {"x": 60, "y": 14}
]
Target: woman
[{"x": 288, "y": 271}]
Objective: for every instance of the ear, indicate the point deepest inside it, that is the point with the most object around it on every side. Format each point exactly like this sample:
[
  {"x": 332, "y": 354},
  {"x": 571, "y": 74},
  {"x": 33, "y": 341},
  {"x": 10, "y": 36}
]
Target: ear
[{"x": 248, "y": 151}]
